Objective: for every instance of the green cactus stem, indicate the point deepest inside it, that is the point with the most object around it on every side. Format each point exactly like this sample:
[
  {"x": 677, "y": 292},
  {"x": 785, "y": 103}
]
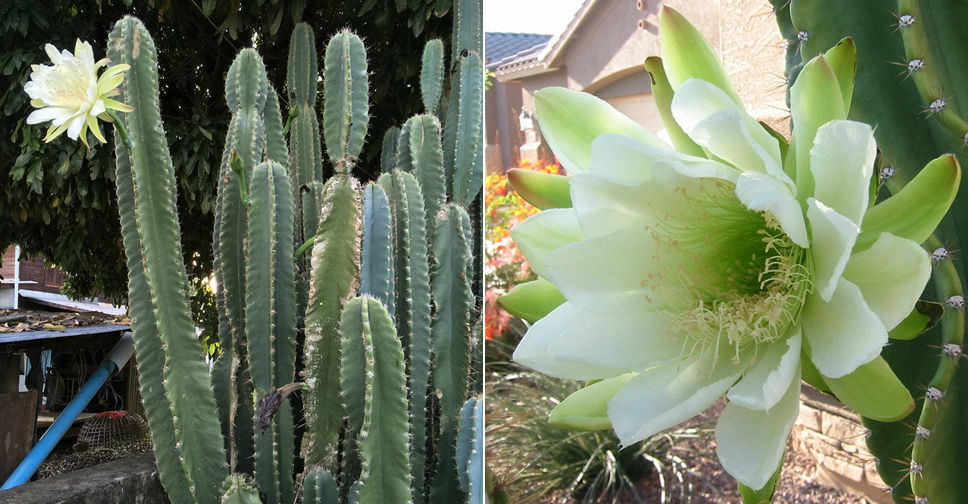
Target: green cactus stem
[
  {"x": 432, "y": 75},
  {"x": 454, "y": 300},
  {"x": 345, "y": 100},
  {"x": 335, "y": 276},
  {"x": 413, "y": 309},
  {"x": 186, "y": 381},
  {"x": 384, "y": 439},
  {"x": 376, "y": 265},
  {"x": 319, "y": 487},
  {"x": 271, "y": 316}
]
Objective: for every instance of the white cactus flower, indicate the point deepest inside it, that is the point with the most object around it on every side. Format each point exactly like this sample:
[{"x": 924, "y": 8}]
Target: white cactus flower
[
  {"x": 730, "y": 265},
  {"x": 71, "y": 95}
]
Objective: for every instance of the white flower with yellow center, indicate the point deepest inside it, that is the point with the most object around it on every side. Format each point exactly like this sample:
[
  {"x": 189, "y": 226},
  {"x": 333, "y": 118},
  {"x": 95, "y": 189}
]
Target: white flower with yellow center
[
  {"x": 731, "y": 265},
  {"x": 71, "y": 95}
]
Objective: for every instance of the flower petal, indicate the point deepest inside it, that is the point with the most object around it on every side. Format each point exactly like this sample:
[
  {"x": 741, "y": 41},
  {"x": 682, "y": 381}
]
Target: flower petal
[
  {"x": 764, "y": 193},
  {"x": 832, "y": 238},
  {"x": 750, "y": 443},
  {"x": 570, "y": 121},
  {"x": 767, "y": 380},
  {"x": 667, "y": 395},
  {"x": 712, "y": 119},
  {"x": 74, "y": 129},
  {"x": 587, "y": 409},
  {"x": 604, "y": 205},
  {"x": 891, "y": 275},
  {"x": 843, "y": 333},
  {"x": 576, "y": 344},
  {"x": 874, "y": 391},
  {"x": 544, "y": 232},
  {"x": 605, "y": 274},
  {"x": 48, "y": 114},
  {"x": 842, "y": 162}
]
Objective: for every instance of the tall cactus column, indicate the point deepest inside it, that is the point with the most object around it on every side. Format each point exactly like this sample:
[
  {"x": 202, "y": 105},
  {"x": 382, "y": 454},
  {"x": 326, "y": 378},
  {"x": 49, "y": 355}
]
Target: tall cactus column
[
  {"x": 270, "y": 314},
  {"x": 156, "y": 236},
  {"x": 336, "y": 250}
]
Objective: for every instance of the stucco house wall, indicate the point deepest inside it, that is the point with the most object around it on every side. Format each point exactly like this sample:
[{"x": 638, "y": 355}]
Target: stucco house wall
[{"x": 603, "y": 49}]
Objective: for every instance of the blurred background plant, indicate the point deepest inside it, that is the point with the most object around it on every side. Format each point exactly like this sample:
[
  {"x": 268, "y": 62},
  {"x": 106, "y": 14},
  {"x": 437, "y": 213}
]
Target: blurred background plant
[
  {"x": 504, "y": 266},
  {"x": 534, "y": 461}
]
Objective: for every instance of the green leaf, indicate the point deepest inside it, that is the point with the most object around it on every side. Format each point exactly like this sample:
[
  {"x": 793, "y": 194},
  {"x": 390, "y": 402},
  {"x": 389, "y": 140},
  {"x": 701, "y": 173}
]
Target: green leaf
[{"x": 763, "y": 495}]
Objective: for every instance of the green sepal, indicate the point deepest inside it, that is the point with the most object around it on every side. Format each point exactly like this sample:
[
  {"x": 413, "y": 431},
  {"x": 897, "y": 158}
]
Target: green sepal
[
  {"x": 763, "y": 495},
  {"x": 570, "y": 121},
  {"x": 531, "y": 300},
  {"x": 811, "y": 375},
  {"x": 815, "y": 99},
  {"x": 662, "y": 93},
  {"x": 842, "y": 59},
  {"x": 874, "y": 391},
  {"x": 924, "y": 316},
  {"x": 917, "y": 209},
  {"x": 542, "y": 190},
  {"x": 687, "y": 55},
  {"x": 587, "y": 408}
]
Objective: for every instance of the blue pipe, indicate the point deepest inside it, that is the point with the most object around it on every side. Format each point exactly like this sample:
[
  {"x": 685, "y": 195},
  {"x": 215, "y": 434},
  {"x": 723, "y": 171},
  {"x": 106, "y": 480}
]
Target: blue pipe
[{"x": 116, "y": 359}]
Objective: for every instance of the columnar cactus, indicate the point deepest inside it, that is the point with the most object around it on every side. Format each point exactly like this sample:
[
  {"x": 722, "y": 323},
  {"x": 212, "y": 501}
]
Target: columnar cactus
[
  {"x": 374, "y": 364},
  {"x": 191, "y": 454},
  {"x": 910, "y": 84}
]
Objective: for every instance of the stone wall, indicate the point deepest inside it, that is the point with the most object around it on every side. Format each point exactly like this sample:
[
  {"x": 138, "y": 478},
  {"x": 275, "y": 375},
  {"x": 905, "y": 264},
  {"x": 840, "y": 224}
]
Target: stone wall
[{"x": 834, "y": 437}]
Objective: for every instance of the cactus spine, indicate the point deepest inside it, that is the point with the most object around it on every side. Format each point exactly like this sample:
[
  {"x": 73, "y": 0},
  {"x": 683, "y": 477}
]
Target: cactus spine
[{"x": 186, "y": 382}]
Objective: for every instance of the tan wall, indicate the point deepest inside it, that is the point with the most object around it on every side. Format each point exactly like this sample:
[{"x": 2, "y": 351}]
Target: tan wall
[
  {"x": 609, "y": 42},
  {"x": 641, "y": 108}
]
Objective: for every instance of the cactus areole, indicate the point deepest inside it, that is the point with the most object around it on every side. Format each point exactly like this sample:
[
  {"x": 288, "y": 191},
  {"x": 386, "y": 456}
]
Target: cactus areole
[{"x": 725, "y": 265}]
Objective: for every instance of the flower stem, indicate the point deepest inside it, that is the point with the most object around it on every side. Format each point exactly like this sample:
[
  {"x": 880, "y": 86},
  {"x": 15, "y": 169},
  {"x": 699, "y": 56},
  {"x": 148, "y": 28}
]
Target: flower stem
[{"x": 119, "y": 127}]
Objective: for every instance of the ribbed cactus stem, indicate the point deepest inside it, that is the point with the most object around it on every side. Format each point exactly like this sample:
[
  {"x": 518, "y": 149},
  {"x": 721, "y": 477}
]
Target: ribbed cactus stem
[
  {"x": 432, "y": 75},
  {"x": 412, "y": 309},
  {"x": 948, "y": 287},
  {"x": 335, "y": 277},
  {"x": 187, "y": 383},
  {"x": 345, "y": 100},
  {"x": 925, "y": 68},
  {"x": 388, "y": 150},
  {"x": 319, "y": 487},
  {"x": 270, "y": 310},
  {"x": 470, "y": 92},
  {"x": 384, "y": 438},
  {"x": 237, "y": 489},
  {"x": 376, "y": 264},
  {"x": 454, "y": 300},
  {"x": 421, "y": 146}
]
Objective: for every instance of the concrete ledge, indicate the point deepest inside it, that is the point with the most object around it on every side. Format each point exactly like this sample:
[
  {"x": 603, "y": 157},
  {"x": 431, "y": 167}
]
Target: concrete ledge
[{"x": 129, "y": 480}]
